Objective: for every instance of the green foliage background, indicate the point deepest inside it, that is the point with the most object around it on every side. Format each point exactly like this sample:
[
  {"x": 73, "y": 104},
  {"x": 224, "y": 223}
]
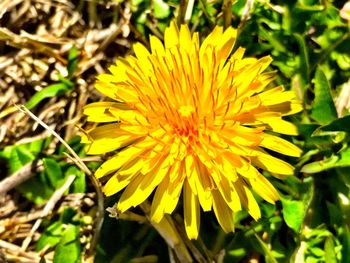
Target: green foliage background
[{"x": 310, "y": 46}]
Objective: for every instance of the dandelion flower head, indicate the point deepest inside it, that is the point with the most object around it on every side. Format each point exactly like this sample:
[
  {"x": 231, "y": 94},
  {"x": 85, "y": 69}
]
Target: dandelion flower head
[{"x": 191, "y": 119}]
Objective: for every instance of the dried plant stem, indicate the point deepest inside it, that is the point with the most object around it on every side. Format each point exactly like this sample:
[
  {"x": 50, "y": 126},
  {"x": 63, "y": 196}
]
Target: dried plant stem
[
  {"x": 36, "y": 119},
  {"x": 166, "y": 228},
  {"x": 196, "y": 253},
  {"x": 19, "y": 177},
  {"x": 16, "y": 250},
  {"x": 92, "y": 13},
  {"x": 205, "y": 12},
  {"x": 227, "y": 5},
  {"x": 94, "y": 181},
  {"x": 246, "y": 14},
  {"x": 47, "y": 209},
  {"x": 182, "y": 10},
  {"x": 189, "y": 9}
]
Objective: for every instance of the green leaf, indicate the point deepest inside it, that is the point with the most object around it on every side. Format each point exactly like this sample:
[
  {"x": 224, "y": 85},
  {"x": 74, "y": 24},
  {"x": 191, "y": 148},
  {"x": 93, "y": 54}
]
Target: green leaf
[
  {"x": 316, "y": 251},
  {"x": 272, "y": 39},
  {"x": 66, "y": 81},
  {"x": 79, "y": 184},
  {"x": 323, "y": 110},
  {"x": 69, "y": 248},
  {"x": 51, "y": 236},
  {"x": 307, "y": 131},
  {"x": 341, "y": 124},
  {"x": 335, "y": 214},
  {"x": 68, "y": 215},
  {"x": 238, "y": 7},
  {"x": 343, "y": 60},
  {"x": 269, "y": 258},
  {"x": 161, "y": 9},
  {"x": 72, "y": 61},
  {"x": 293, "y": 213},
  {"x": 345, "y": 252},
  {"x": 37, "y": 189},
  {"x": 17, "y": 156},
  {"x": 310, "y": 7},
  {"x": 53, "y": 90},
  {"x": 318, "y": 166},
  {"x": 54, "y": 172},
  {"x": 36, "y": 147},
  {"x": 304, "y": 65},
  {"x": 330, "y": 255},
  {"x": 332, "y": 162}
]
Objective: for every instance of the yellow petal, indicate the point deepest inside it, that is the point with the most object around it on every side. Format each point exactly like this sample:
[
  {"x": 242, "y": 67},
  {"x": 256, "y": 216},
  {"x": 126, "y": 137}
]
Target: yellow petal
[
  {"x": 228, "y": 191},
  {"x": 105, "y": 87},
  {"x": 272, "y": 164},
  {"x": 191, "y": 173},
  {"x": 104, "y": 145},
  {"x": 191, "y": 212},
  {"x": 132, "y": 195},
  {"x": 276, "y": 95},
  {"x": 238, "y": 54},
  {"x": 118, "y": 91},
  {"x": 223, "y": 213},
  {"x": 107, "y": 138},
  {"x": 141, "y": 51},
  {"x": 175, "y": 187},
  {"x": 99, "y": 112},
  {"x": 159, "y": 201},
  {"x": 136, "y": 194},
  {"x": 171, "y": 35},
  {"x": 286, "y": 108},
  {"x": 157, "y": 174},
  {"x": 264, "y": 188},
  {"x": 280, "y": 145},
  {"x": 185, "y": 38},
  {"x": 105, "y": 111},
  {"x": 167, "y": 193},
  {"x": 243, "y": 135},
  {"x": 245, "y": 81},
  {"x": 157, "y": 46},
  {"x": 252, "y": 205},
  {"x": 247, "y": 199},
  {"x": 247, "y": 170},
  {"x": 227, "y": 41},
  {"x": 278, "y": 125},
  {"x": 127, "y": 157},
  {"x": 116, "y": 183},
  {"x": 212, "y": 39},
  {"x": 204, "y": 184}
]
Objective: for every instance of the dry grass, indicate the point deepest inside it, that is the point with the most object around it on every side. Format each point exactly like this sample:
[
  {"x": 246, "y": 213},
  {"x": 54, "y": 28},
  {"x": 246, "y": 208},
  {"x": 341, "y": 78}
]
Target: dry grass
[{"x": 35, "y": 39}]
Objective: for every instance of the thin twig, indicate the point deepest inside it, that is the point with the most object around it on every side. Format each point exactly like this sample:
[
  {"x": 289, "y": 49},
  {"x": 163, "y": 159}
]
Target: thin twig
[
  {"x": 92, "y": 12},
  {"x": 195, "y": 252},
  {"x": 246, "y": 14},
  {"x": 94, "y": 181},
  {"x": 181, "y": 14},
  {"x": 56, "y": 196},
  {"x": 19, "y": 177},
  {"x": 17, "y": 251},
  {"x": 205, "y": 12},
  {"x": 167, "y": 229},
  {"x": 227, "y": 6},
  {"x": 189, "y": 9}
]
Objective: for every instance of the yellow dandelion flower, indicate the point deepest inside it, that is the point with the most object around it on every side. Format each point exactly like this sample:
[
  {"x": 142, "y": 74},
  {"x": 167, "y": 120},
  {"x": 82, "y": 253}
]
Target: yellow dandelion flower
[{"x": 191, "y": 118}]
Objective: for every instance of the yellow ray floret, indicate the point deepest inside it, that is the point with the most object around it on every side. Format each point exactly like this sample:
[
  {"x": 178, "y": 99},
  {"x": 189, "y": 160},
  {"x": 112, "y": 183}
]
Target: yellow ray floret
[{"x": 190, "y": 119}]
